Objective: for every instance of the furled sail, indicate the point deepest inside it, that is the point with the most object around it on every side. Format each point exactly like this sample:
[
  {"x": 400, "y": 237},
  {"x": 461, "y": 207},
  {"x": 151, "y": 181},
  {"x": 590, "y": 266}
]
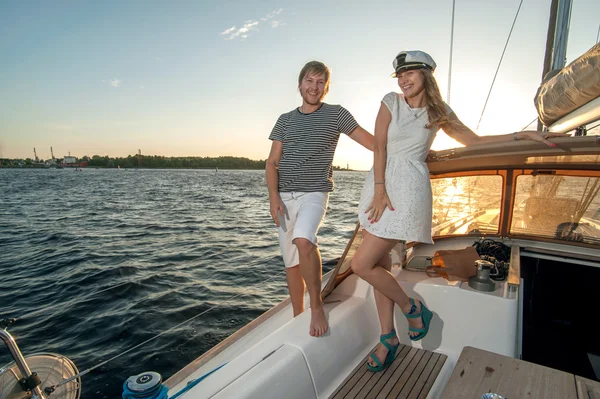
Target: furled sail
[{"x": 565, "y": 90}]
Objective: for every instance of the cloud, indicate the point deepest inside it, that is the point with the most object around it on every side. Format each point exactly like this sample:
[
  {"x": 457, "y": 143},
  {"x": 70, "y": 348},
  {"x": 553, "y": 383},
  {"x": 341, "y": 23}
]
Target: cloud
[
  {"x": 229, "y": 31},
  {"x": 113, "y": 82},
  {"x": 242, "y": 32},
  {"x": 252, "y": 25},
  {"x": 272, "y": 14}
]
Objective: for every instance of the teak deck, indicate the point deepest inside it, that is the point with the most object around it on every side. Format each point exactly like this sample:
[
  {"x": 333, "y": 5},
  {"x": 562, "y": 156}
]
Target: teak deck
[
  {"x": 410, "y": 376},
  {"x": 478, "y": 372}
]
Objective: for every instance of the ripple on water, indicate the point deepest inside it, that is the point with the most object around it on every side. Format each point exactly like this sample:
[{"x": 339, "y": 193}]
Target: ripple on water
[{"x": 95, "y": 263}]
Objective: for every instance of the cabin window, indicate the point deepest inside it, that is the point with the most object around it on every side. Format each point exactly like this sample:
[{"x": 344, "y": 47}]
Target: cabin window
[
  {"x": 560, "y": 207},
  {"x": 466, "y": 205}
]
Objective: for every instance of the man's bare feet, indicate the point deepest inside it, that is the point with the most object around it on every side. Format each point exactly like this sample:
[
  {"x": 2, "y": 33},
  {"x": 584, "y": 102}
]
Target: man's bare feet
[{"x": 318, "y": 321}]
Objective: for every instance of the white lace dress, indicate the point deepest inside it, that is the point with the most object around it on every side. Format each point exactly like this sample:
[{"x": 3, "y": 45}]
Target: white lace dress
[{"x": 406, "y": 176}]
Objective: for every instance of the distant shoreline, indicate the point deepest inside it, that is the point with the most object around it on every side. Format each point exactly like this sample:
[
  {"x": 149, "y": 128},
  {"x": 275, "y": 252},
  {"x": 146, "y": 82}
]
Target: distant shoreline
[
  {"x": 155, "y": 168},
  {"x": 139, "y": 161}
]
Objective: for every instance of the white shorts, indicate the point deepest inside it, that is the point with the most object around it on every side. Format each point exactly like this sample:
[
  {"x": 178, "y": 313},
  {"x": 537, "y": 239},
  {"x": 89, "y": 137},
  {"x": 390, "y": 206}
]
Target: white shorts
[{"x": 304, "y": 213}]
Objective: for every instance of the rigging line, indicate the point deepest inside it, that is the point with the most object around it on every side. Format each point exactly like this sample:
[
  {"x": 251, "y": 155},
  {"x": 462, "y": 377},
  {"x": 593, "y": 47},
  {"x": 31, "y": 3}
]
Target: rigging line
[
  {"x": 35, "y": 313},
  {"x": 586, "y": 198},
  {"x": 529, "y": 124},
  {"x": 161, "y": 334},
  {"x": 591, "y": 195},
  {"x": 451, "y": 47},
  {"x": 500, "y": 63},
  {"x": 598, "y": 35}
]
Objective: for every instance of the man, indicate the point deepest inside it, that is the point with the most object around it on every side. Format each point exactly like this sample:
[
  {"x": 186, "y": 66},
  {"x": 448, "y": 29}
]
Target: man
[{"x": 300, "y": 178}]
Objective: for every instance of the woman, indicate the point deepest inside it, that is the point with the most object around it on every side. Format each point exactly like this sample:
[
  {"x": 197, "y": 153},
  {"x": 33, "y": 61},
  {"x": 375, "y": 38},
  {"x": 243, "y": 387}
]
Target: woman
[{"x": 396, "y": 202}]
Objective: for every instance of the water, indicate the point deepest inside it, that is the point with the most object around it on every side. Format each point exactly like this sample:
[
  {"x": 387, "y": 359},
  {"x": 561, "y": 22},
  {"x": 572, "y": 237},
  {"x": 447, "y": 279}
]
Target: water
[{"x": 161, "y": 245}]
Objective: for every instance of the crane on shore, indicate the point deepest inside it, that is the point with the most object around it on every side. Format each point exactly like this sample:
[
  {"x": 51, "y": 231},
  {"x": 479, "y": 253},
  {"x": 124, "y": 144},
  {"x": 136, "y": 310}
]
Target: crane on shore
[{"x": 36, "y": 157}]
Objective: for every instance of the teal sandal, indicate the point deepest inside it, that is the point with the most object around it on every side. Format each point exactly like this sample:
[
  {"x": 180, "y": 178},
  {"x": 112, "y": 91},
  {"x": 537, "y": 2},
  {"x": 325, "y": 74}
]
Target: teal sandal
[
  {"x": 389, "y": 359},
  {"x": 425, "y": 314}
]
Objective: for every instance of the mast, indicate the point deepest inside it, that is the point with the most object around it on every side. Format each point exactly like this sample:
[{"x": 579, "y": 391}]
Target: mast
[
  {"x": 559, "y": 58},
  {"x": 556, "y": 40}
]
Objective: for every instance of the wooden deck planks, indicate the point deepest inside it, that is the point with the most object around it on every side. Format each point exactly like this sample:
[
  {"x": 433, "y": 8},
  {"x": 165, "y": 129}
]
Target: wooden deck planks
[
  {"x": 379, "y": 379},
  {"x": 587, "y": 389},
  {"x": 419, "y": 384},
  {"x": 478, "y": 372},
  {"x": 411, "y": 375},
  {"x": 436, "y": 370}
]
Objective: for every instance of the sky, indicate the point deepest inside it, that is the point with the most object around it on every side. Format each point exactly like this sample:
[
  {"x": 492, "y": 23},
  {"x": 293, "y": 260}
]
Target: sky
[{"x": 210, "y": 78}]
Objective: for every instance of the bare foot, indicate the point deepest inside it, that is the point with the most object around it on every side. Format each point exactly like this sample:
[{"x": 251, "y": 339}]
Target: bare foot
[
  {"x": 416, "y": 322},
  {"x": 318, "y": 321},
  {"x": 381, "y": 352}
]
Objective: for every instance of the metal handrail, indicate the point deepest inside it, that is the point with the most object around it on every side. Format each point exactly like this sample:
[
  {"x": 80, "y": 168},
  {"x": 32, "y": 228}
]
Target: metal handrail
[{"x": 20, "y": 361}]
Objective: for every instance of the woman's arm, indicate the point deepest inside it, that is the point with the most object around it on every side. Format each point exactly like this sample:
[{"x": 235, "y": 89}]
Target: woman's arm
[
  {"x": 461, "y": 133},
  {"x": 380, "y": 197}
]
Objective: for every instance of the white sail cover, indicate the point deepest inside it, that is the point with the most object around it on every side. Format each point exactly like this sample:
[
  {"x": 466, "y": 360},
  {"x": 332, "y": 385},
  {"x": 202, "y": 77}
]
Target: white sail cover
[{"x": 572, "y": 87}]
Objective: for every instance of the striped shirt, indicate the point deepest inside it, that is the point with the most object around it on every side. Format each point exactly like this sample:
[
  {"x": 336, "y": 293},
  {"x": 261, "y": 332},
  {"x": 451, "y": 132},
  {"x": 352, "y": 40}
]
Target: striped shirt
[{"x": 309, "y": 142}]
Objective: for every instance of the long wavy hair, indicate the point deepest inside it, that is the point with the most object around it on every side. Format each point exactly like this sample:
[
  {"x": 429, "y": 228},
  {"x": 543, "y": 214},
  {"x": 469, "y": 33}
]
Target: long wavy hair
[{"x": 436, "y": 108}]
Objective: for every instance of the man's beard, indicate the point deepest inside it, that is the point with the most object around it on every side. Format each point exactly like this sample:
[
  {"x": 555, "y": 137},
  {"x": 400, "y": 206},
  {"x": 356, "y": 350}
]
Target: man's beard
[{"x": 309, "y": 99}]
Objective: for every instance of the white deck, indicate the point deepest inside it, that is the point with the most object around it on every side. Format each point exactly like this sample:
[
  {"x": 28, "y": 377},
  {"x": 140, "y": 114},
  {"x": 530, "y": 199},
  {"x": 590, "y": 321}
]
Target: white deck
[{"x": 280, "y": 359}]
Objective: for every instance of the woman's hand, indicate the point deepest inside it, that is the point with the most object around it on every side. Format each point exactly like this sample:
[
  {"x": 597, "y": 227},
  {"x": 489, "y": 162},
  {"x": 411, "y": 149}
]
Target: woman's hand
[
  {"x": 541, "y": 137},
  {"x": 378, "y": 205}
]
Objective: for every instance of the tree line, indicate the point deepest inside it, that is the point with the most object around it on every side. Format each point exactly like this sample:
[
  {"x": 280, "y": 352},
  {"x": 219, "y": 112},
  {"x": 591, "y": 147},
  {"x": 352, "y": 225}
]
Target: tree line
[
  {"x": 148, "y": 162},
  {"x": 157, "y": 161}
]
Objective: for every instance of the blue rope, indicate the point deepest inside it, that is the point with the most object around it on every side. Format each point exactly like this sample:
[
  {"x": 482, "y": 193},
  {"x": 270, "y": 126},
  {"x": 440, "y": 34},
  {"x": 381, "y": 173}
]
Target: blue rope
[{"x": 193, "y": 383}]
